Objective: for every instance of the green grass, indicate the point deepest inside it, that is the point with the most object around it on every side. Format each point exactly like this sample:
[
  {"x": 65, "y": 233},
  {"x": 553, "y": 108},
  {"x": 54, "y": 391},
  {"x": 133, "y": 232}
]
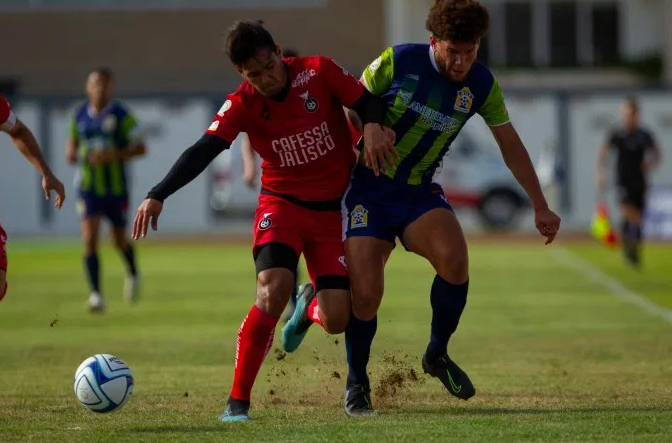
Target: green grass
[{"x": 554, "y": 356}]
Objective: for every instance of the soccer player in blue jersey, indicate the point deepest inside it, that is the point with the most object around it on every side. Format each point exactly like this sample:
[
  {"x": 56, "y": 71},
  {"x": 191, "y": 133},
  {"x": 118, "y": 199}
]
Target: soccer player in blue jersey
[
  {"x": 104, "y": 137},
  {"x": 431, "y": 91}
]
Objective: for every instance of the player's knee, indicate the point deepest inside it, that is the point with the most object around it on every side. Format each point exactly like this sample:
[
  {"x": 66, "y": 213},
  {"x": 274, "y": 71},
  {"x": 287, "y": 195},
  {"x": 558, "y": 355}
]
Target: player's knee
[
  {"x": 119, "y": 241},
  {"x": 335, "y": 322},
  {"x": 453, "y": 267},
  {"x": 366, "y": 301},
  {"x": 333, "y": 292},
  {"x": 274, "y": 287}
]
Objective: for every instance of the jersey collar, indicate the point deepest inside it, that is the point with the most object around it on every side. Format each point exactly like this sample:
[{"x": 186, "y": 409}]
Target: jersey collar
[{"x": 92, "y": 114}]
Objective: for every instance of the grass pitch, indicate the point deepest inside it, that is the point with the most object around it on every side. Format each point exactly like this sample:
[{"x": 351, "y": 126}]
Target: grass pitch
[{"x": 555, "y": 356}]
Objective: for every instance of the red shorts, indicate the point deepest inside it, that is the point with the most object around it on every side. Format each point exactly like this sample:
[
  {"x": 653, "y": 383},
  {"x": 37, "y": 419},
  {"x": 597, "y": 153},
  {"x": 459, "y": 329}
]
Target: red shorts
[{"x": 316, "y": 234}]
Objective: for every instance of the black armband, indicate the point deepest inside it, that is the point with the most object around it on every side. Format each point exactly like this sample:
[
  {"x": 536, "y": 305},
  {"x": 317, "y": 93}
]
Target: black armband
[
  {"x": 370, "y": 108},
  {"x": 191, "y": 163}
]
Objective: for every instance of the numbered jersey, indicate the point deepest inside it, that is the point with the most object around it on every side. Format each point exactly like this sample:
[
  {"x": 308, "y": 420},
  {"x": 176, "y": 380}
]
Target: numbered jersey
[
  {"x": 304, "y": 140},
  {"x": 7, "y": 117}
]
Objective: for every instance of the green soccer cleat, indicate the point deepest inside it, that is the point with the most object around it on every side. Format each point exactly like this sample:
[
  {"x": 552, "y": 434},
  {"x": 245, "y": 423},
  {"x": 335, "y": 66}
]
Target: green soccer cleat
[
  {"x": 236, "y": 411},
  {"x": 296, "y": 328},
  {"x": 453, "y": 378}
]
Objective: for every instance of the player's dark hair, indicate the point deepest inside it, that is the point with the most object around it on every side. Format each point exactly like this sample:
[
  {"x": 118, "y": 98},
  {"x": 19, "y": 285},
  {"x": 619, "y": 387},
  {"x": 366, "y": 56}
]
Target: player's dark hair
[
  {"x": 245, "y": 38},
  {"x": 462, "y": 21},
  {"x": 289, "y": 52},
  {"x": 104, "y": 72}
]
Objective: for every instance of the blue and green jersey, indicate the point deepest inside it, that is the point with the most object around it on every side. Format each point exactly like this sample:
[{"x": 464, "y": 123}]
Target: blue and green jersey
[
  {"x": 425, "y": 109},
  {"x": 113, "y": 128}
]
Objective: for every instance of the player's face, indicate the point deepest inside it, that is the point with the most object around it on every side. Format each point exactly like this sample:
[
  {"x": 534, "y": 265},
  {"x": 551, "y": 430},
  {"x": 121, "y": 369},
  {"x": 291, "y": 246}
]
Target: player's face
[
  {"x": 98, "y": 89},
  {"x": 454, "y": 59},
  {"x": 629, "y": 115},
  {"x": 265, "y": 72}
]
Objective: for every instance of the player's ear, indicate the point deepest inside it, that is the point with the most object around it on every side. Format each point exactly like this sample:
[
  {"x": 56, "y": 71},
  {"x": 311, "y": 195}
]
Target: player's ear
[
  {"x": 432, "y": 41},
  {"x": 240, "y": 71}
]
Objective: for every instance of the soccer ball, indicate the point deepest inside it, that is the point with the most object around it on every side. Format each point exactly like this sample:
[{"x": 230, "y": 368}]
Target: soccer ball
[{"x": 103, "y": 383}]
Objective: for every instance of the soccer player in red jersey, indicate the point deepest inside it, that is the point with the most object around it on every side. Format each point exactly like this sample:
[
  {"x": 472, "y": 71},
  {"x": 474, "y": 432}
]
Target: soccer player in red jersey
[
  {"x": 292, "y": 111},
  {"x": 25, "y": 141}
]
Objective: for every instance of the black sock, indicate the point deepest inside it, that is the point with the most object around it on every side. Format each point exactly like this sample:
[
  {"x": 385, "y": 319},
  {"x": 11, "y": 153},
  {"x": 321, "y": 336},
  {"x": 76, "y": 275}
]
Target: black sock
[
  {"x": 93, "y": 271},
  {"x": 448, "y": 301},
  {"x": 129, "y": 256},
  {"x": 358, "y": 338}
]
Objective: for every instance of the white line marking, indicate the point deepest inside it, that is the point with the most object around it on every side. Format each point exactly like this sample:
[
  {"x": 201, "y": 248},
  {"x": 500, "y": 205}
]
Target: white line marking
[{"x": 587, "y": 269}]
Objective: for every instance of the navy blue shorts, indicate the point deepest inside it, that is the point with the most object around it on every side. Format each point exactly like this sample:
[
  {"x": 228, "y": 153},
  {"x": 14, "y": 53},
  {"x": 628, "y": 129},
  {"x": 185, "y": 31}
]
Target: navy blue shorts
[
  {"x": 382, "y": 208},
  {"x": 113, "y": 207}
]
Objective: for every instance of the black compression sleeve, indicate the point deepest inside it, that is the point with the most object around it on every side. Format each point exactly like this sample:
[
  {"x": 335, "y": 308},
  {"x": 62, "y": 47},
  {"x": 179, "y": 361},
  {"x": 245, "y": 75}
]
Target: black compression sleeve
[
  {"x": 191, "y": 163},
  {"x": 370, "y": 108}
]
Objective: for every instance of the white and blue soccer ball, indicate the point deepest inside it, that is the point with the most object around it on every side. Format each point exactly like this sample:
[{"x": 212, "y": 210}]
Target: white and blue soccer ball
[{"x": 103, "y": 383}]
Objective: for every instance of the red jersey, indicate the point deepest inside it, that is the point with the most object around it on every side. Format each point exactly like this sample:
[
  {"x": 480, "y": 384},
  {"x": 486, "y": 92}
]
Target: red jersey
[
  {"x": 304, "y": 140},
  {"x": 7, "y": 117}
]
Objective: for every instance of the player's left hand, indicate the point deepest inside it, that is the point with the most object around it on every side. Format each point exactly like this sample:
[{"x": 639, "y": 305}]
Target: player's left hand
[
  {"x": 379, "y": 150},
  {"x": 148, "y": 211},
  {"x": 102, "y": 157},
  {"x": 51, "y": 183},
  {"x": 547, "y": 223}
]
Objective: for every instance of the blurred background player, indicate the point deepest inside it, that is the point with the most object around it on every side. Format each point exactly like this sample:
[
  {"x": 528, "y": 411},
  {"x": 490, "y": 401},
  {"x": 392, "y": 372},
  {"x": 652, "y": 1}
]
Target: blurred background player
[
  {"x": 24, "y": 140},
  {"x": 250, "y": 178},
  {"x": 104, "y": 137},
  {"x": 637, "y": 154}
]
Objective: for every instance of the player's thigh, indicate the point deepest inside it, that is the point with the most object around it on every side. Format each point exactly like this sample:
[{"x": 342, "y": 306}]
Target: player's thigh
[
  {"x": 277, "y": 247},
  {"x": 325, "y": 261},
  {"x": 115, "y": 210},
  {"x": 436, "y": 234}
]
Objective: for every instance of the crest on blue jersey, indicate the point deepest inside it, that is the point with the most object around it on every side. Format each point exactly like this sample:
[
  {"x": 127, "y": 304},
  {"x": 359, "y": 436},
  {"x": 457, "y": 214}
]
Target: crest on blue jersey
[{"x": 464, "y": 100}]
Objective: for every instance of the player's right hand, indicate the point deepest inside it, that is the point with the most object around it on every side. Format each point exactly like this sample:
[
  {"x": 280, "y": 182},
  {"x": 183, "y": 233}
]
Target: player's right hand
[
  {"x": 148, "y": 211},
  {"x": 51, "y": 183},
  {"x": 379, "y": 150}
]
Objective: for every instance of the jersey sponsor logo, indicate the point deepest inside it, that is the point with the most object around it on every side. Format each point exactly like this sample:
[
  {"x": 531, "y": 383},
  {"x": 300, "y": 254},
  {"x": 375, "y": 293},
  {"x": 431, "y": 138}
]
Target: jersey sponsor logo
[
  {"x": 225, "y": 107},
  {"x": 304, "y": 147},
  {"x": 109, "y": 124},
  {"x": 303, "y": 78},
  {"x": 359, "y": 217},
  {"x": 464, "y": 100},
  {"x": 213, "y": 126},
  {"x": 434, "y": 119},
  {"x": 309, "y": 104},
  {"x": 266, "y": 221}
]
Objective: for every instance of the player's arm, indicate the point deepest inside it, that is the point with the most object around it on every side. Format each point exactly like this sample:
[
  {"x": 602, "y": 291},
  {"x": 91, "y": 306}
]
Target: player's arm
[
  {"x": 654, "y": 155},
  {"x": 131, "y": 134},
  {"x": 371, "y": 109},
  {"x": 602, "y": 163},
  {"x": 72, "y": 143},
  {"x": 24, "y": 140},
  {"x": 518, "y": 160},
  {"x": 249, "y": 161},
  {"x": 377, "y": 79}
]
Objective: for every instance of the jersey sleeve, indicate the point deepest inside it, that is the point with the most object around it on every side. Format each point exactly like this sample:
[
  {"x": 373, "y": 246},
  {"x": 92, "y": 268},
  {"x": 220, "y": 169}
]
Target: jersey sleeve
[
  {"x": 7, "y": 116},
  {"x": 378, "y": 76},
  {"x": 130, "y": 131},
  {"x": 229, "y": 120},
  {"x": 494, "y": 110},
  {"x": 343, "y": 85}
]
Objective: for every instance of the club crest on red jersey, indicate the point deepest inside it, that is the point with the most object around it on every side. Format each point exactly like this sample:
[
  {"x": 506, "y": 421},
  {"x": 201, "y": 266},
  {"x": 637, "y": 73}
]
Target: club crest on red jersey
[
  {"x": 266, "y": 221},
  {"x": 309, "y": 104}
]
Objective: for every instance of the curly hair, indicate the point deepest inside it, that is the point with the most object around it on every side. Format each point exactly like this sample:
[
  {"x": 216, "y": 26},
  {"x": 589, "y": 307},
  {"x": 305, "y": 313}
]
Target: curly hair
[{"x": 458, "y": 20}]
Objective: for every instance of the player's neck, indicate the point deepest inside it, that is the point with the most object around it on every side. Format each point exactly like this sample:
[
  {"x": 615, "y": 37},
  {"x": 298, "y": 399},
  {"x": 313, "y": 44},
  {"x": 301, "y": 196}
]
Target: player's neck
[
  {"x": 97, "y": 109},
  {"x": 280, "y": 96}
]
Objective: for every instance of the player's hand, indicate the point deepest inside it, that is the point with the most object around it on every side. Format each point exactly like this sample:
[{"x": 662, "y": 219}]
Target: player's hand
[
  {"x": 148, "y": 211},
  {"x": 547, "y": 223},
  {"x": 51, "y": 183},
  {"x": 250, "y": 176},
  {"x": 379, "y": 150},
  {"x": 102, "y": 157}
]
